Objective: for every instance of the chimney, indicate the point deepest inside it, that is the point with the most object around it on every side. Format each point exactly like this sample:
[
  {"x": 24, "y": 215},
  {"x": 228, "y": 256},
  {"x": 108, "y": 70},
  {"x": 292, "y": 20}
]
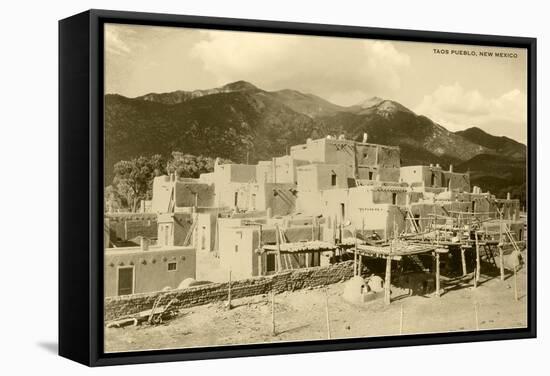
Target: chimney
[
  {"x": 450, "y": 168},
  {"x": 365, "y": 137},
  {"x": 437, "y": 165},
  {"x": 309, "y": 140},
  {"x": 342, "y": 137},
  {"x": 144, "y": 243},
  {"x": 508, "y": 196}
]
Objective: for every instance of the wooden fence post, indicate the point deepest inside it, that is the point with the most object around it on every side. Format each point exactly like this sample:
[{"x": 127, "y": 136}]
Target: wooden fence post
[
  {"x": 327, "y": 314},
  {"x": 478, "y": 260},
  {"x": 437, "y": 275},
  {"x": 463, "y": 257},
  {"x": 229, "y": 292},
  {"x": 273, "y": 332},
  {"x": 476, "y": 315},
  {"x": 401, "y": 320},
  {"x": 516, "y": 282},
  {"x": 501, "y": 261},
  {"x": 387, "y": 281}
]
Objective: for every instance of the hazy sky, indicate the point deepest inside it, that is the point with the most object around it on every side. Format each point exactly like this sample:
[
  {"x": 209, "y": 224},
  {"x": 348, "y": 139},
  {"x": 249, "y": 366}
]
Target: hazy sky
[{"x": 456, "y": 90}]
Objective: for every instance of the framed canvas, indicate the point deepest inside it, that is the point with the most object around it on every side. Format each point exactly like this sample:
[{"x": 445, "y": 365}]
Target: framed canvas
[{"x": 235, "y": 187}]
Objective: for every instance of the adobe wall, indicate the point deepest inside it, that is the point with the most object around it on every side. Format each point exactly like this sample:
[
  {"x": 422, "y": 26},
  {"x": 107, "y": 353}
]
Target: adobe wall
[
  {"x": 237, "y": 251},
  {"x": 457, "y": 181},
  {"x": 186, "y": 191},
  {"x": 162, "y": 190},
  {"x": 279, "y": 198},
  {"x": 150, "y": 267},
  {"x": 122, "y": 306},
  {"x": 130, "y": 225}
]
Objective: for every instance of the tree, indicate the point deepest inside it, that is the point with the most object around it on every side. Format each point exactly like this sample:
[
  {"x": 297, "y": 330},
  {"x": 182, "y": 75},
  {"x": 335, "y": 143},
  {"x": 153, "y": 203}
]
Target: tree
[
  {"x": 133, "y": 180},
  {"x": 191, "y": 166}
]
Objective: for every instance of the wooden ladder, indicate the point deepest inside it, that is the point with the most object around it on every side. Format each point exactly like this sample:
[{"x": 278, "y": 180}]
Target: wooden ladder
[
  {"x": 511, "y": 237},
  {"x": 411, "y": 219},
  {"x": 489, "y": 255}
]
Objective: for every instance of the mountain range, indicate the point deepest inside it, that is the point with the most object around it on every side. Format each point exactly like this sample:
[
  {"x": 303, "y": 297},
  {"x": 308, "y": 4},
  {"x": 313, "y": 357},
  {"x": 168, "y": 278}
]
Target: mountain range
[{"x": 242, "y": 122}]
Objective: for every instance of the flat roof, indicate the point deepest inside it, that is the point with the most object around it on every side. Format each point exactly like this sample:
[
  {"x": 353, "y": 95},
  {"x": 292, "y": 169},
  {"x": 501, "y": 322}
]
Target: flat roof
[{"x": 152, "y": 249}]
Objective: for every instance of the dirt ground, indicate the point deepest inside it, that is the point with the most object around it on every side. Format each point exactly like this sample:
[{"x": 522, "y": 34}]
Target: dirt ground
[{"x": 301, "y": 315}]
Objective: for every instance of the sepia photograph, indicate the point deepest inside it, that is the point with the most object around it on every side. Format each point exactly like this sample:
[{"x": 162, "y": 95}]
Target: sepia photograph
[{"x": 272, "y": 187}]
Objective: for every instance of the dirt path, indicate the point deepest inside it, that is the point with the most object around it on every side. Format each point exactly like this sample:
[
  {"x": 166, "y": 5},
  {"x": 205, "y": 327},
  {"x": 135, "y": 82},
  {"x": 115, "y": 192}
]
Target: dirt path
[{"x": 300, "y": 315}]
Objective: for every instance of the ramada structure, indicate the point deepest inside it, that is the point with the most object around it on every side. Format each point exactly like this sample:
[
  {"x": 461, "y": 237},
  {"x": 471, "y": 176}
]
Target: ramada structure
[{"x": 329, "y": 200}]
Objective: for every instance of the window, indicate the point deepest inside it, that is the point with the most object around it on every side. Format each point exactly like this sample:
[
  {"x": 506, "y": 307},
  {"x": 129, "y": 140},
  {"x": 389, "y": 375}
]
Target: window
[
  {"x": 236, "y": 248},
  {"x": 172, "y": 266},
  {"x": 203, "y": 238},
  {"x": 166, "y": 234},
  {"x": 370, "y": 175},
  {"x": 236, "y": 198},
  {"x": 333, "y": 179},
  {"x": 394, "y": 198}
]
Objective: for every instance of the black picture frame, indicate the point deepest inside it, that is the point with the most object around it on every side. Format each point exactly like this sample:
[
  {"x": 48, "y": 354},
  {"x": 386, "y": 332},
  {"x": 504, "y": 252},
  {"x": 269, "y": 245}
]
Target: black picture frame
[{"x": 81, "y": 186}]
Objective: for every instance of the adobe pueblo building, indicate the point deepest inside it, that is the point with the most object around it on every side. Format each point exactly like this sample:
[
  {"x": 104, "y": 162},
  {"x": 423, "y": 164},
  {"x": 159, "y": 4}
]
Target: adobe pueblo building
[{"x": 329, "y": 200}]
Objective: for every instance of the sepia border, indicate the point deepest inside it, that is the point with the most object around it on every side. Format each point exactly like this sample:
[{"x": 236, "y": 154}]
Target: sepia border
[{"x": 81, "y": 96}]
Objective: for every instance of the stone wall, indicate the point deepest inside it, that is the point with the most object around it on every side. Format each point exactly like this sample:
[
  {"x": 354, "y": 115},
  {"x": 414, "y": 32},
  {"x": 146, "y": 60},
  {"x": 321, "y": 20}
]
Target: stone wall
[{"x": 291, "y": 280}]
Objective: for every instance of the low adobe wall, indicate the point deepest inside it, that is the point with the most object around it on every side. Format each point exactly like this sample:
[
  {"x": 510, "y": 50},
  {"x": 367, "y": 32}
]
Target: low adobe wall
[{"x": 291, "y": 280}]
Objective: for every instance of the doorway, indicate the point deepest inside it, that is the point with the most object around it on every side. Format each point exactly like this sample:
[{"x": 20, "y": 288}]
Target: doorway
[
  {"x": 270, "y": 263},
  {"x": 125, "y": 281}
]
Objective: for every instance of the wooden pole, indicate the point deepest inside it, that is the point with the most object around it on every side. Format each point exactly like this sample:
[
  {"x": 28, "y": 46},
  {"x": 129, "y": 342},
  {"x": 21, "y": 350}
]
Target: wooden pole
[
  {"x": 387, "y": 282},
  {"x": 401, "y": 320},
  {"x": 476, "y": 315},
  {"x": 463, "y": 257},
  {"x": 273, "y": 332},
  {"x": 516, "y": 282},
  {"x": 475, "y": 279},
  {"x": 501, "y": 261},
  {"x": 355, "y": 254},
  {"x": 478, "y": 258},
  {"x": 437, "y": 272},
  {"x": 280, "y": 264},
  {"x": 327, "y": 314},
  {"x": 229, "y": 292},
  {"x": 261, "y": 254}
]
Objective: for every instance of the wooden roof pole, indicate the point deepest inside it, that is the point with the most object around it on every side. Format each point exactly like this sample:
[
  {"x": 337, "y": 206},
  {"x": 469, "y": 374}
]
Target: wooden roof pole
[{"x": 280, "y": 266}]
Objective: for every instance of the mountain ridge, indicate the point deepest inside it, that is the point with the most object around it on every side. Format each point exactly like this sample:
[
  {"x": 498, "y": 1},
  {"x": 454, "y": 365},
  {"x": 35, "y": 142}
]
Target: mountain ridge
[{"x": 241, "y": 122}]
